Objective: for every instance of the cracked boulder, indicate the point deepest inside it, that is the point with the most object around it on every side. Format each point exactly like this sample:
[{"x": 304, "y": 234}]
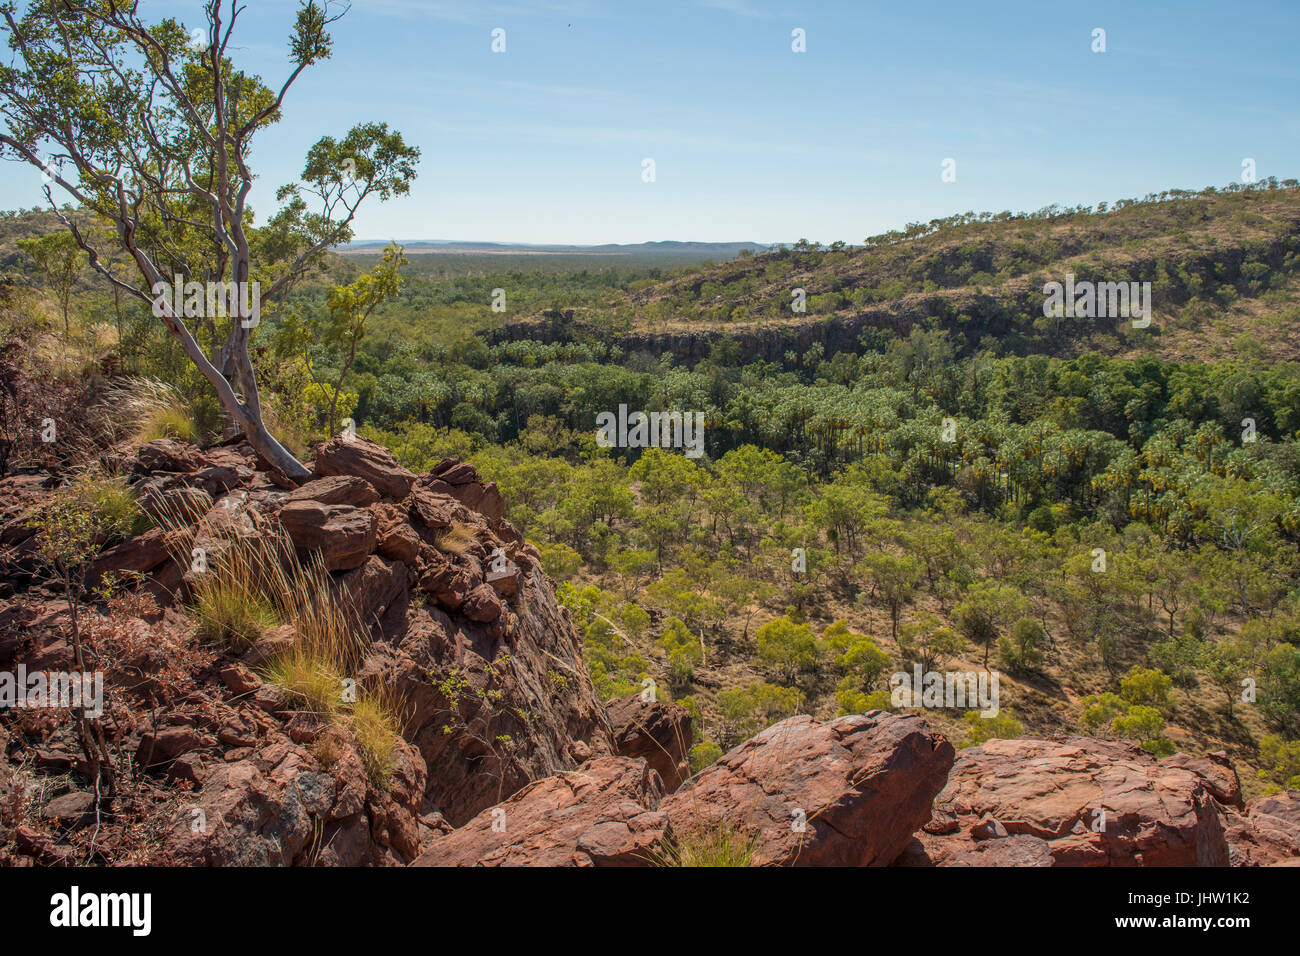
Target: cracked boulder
[
  {"x": 847, "y": 792},
  {"x": 1089, "y": 802}
]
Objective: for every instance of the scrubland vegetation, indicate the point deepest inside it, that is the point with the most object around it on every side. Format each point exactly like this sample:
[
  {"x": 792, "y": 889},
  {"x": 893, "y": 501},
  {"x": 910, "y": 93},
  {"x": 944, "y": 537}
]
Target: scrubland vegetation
[{"x": 1109, "y": 517}]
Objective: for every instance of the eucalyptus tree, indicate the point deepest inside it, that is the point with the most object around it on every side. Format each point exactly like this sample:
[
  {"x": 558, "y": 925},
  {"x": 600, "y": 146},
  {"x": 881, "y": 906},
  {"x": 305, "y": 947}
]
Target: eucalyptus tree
[{"x": 150, "y": 128}]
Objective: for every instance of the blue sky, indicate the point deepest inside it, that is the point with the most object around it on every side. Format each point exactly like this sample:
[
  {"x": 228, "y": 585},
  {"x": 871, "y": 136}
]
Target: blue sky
[{"x": 751, "y": 141}]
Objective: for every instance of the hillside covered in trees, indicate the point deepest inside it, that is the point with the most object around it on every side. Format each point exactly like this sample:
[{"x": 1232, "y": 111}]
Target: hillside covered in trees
[{"x": 921, "y": 468}]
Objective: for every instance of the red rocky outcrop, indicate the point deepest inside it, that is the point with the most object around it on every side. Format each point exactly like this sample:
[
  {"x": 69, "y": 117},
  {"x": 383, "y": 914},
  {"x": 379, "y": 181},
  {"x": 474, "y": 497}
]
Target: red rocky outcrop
[
  {"x": 337, "y": 490},
  {"x": 602, "y": 814},
  {"x": 278, "y": 806},
  {"x": 362, "y": 458},
  {"x": 656, "y": 731},
  {"x": 1268, "y": 832},
  {"x": 1080, "y": 801},
  {"x": 342, "y": 535},
  {"x": 458, "y": 618},
  {"x": 465, "y": 626},
  {"x": 848, "y": 792},
  {"x": 459, "y": 480}
]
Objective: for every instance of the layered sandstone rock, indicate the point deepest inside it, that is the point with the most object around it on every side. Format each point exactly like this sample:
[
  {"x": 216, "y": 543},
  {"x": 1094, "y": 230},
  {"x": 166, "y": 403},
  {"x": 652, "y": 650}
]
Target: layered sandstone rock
[
  {"x": 466, "y": 628},
  {"x": 280, "y": 807},
  {"x": 603, "y": 814},
  {"x": 455, "y": 614},
  {"x": 849, "y": 792},
  {"x": 362, "y": 458},
  {"x": 1089, "y": 802},
  {"x": 342, "y": 535},
  {"x": 1268, "y": 832},
  {"x": 657, "y": 731}
]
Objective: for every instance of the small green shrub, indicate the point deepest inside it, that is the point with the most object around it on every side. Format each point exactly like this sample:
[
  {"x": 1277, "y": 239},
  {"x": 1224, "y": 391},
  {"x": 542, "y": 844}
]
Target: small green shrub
[{"x": 231, "y": 615}]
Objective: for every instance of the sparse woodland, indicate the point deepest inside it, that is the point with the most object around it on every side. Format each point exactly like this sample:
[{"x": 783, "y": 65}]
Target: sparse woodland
[
  {"x": 970, "y": 552},
  {"x": 905, "y": 463}
]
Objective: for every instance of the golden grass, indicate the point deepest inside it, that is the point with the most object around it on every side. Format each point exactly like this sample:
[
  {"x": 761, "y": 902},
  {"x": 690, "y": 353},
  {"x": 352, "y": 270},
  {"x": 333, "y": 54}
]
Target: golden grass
[
  {"x": 723, "y": 845},
  {"x": 255, "y": 581},
  {"x": 376, "y": 720},
  {"x": 229, "y": 614},
  {"x": 142, "y": 410},
  {"x": 457, "y": 539},
  {"x": 308, "y": 679}
]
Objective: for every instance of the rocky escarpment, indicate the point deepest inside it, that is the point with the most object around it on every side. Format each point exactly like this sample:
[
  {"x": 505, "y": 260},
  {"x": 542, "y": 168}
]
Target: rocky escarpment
[
  {"x": 657, "y": 731},
  {"x": 605, "y": 813},
  {"x": 881, "y": 789},
  {"x": 465, "y": 627},
  {"x": 506, "y": 756},
  {"x": 848, "y": 792},
  {"x": 457, "y": 616}
]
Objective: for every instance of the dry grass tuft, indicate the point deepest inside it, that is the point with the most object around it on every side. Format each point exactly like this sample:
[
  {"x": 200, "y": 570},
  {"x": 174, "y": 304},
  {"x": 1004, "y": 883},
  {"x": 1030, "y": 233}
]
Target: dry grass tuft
[
  {"x": 376, "y": 721},
  {"x": 723, "y": 845},
  {"x": 457, "y": 539},
  {"x": 254, "y": 581},
  {"x": 143, "y": 410}
]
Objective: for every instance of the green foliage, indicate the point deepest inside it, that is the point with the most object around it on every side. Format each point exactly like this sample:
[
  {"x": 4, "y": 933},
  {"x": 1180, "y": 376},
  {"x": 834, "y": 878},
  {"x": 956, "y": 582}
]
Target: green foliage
[
  {"x": 59, "y": 259},
  {"x": 987, "y": 609},
  {"x": 1178, "y": 659},
  {"x": 1147, "y": 686},
  {"x": 926, "y": 641},
  {"x": 704, "y": 754},
  {"x": 1281, "y": 760},
  {"x": 1227, "y": 662},
  {"x": 684, "y": 652},
  {"x": 861, "y": 662},
  {"x": 981, "y": 730},
  {"x": 170, "y": 423},
  {"x": 77, "y": 519},
  {"x": 1145, "y": 725},
  {"x": 1021, "y": 650},
  {"x": 616, "y": 669},
  {"x": 559, "y": 560},
  {"x": 1279, "y": 696},
  {"x": 331, "y": 340},
  {"x": 1112, "y": 714},
  {"x": 1099, "y": 710},
  {"x": 788, "y": 648},
  {"x": 859, "y": 657},
  {"x": 895, "y": 579},
  {"x": 852, "y": 700},
  {"x": 747, "y": 710},
  {"x": 375, "y": 725}
]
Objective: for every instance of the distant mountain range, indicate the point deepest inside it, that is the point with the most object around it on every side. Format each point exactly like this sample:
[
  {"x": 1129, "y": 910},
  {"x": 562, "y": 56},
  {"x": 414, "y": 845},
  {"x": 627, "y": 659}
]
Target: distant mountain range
[{"x": 720, "y": 250}]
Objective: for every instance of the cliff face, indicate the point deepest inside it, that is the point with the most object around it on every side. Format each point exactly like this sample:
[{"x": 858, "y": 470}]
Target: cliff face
[
  {"x": 465, "y": 626},
  {"x": 970, "y": 312},
  {"x": 834, "y": 334},
  {"x": 456, "y": 616}
]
